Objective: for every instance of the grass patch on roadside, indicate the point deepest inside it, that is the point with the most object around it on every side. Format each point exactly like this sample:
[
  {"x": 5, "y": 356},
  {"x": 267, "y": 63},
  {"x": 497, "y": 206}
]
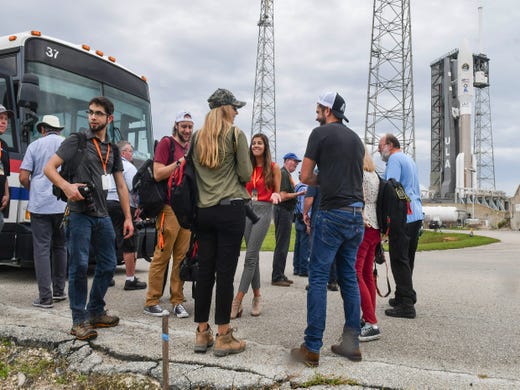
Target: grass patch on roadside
[{"x": 429, "y": 241}]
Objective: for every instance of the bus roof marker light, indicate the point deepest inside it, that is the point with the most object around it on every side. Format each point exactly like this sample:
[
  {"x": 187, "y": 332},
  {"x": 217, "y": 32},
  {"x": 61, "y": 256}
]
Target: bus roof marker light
[
  {"x": 36, "y": 33},
  {"x": 12, "y": 38},
  {"x": 85, "y": 47},
  {"x": 144, "y": 78},
  {"x": 99, "y": 53},
  {"x": 113, "y": 59}
]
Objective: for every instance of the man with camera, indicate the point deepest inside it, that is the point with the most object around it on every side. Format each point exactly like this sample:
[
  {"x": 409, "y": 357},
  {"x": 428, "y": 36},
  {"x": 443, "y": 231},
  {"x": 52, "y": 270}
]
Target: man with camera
[{"x": 88, "y": 221}]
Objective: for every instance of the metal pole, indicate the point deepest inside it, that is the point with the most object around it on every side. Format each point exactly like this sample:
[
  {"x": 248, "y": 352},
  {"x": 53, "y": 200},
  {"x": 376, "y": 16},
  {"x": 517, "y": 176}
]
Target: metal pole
[{"x": 165, "y": 350}]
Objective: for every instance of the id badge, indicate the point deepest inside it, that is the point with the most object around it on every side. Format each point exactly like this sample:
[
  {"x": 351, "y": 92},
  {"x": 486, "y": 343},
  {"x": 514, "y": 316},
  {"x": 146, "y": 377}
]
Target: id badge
[
  {"x": 106, "y": 182},
  {"x": 254, "y": 194}
]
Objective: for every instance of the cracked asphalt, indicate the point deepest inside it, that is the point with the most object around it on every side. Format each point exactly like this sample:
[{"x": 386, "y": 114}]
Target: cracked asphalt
[{"x": 466, "y": 333}]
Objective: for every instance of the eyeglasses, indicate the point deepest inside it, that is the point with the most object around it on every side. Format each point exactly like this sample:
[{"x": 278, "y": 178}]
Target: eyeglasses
[{"x": 96, "y": 113}]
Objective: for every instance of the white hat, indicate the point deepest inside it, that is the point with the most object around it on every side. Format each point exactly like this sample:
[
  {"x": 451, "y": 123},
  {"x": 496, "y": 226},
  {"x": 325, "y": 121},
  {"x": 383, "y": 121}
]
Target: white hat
[
  {"x": 6, "y": 111},
  {"x": 50, "y": 121},
  {"x": 181, "y": 117},
  {"x": 335, "y": 102}
]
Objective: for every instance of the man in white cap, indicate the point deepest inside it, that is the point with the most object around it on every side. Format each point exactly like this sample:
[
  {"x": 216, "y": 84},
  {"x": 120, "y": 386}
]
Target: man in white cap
[
  {"x": 5, "y": 167},
  {"x": 49, "y": 251},
  {"x": 173, "y": 239}
]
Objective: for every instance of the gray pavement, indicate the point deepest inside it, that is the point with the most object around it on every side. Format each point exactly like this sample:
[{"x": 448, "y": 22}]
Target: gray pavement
[{"x": 466, "y": 333}]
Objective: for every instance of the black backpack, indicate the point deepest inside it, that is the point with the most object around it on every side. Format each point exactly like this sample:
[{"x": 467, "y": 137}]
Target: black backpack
[
  {"x": 152, "y": 194},
  {"x": 68, "y": 169},
  {"x": 393, "y": 205},
  {"x": 183, "y": 195}
]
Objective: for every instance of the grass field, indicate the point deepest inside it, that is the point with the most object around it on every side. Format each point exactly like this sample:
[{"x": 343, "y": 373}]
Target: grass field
[{"x": 429, "y": 241}]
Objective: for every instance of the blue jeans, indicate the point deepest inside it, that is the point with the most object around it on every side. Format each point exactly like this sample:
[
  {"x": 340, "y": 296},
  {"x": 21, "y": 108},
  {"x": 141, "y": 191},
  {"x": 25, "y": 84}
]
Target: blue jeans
[
  {"x": 84, "y": 232},
  {"x": 337, "y": 234}
]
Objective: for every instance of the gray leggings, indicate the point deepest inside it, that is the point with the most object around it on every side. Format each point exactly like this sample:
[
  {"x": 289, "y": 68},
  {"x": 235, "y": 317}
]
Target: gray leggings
[{"x": 255, "y": 235}]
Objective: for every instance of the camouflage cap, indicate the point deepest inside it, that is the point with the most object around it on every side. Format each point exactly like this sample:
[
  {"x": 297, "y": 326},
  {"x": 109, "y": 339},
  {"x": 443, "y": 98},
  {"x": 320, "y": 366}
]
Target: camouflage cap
[{"x": 223, "y": 97}]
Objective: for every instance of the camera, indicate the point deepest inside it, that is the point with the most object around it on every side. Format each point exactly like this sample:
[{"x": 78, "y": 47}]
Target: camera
[
  {"x": 87, "y": 192},
  {"x": 250, "y": 213}
]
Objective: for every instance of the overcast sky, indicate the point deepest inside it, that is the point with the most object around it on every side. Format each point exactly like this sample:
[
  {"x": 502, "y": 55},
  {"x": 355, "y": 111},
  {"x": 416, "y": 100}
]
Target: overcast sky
[{"x": 187, "y": 49}]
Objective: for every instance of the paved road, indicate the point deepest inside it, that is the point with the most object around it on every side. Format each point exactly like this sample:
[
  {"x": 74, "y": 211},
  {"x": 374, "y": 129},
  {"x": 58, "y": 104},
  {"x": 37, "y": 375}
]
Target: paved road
[{"x": 466, "y": 333}]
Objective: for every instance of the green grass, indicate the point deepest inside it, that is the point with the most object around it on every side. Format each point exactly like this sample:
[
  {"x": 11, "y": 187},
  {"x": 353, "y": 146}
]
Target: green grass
[{"x": 429, "y": 241}]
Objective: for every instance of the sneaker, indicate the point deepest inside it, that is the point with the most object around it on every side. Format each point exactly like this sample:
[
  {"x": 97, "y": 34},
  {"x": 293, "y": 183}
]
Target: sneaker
[
  {"x": 57, "y": 297},
  {"x": 83, "y": 331},
  {"x": 103, "y": 320},
  {"x": 180, "y": 311},
  {"x": 156, "y": 311},
  {"x": 135, "y": 284},
  {"x": 401, "y": 311},
  {"x": 333, "y": 286},
  {"x": 369, "y": 332},
  {"x": 45, "y": 304},
  {"x": 281, "y": 283}
]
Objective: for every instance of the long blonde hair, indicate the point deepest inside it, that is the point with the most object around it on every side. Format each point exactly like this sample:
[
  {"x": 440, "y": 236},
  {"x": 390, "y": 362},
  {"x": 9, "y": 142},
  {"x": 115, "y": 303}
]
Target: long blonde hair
[
  {"x": 210, "y": 145},
  {"x": 368, "y": 162}
]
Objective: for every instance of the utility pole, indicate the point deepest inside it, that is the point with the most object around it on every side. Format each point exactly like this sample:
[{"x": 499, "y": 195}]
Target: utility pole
[
  {"x": 264, "y": 101},
  {"x": 390, "y": 100}
]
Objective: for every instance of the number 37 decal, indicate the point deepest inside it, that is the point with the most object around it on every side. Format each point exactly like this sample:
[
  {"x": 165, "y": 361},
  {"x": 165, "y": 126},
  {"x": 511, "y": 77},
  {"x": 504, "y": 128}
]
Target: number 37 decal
[{"x": 52, "y": 53}]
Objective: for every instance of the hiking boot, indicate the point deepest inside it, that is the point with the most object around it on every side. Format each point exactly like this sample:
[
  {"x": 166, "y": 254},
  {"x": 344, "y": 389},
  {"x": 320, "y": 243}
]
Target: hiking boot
[
  {"x": 156, "y": 311},
  {"x": 348, "y": 346},
  {"x": 44, "y": 304},
  {"x": 135, "y": 284},
  {"x": 57, "y": 297},
  {"x": 236, "y": 309},
  {"x": 83, "y": 331},
  {"x": 227, "y": 344},
  {"x": 103, "y": 320},
  {"x": 369, "y": 332},
  {"x": 332, "y": 286},
  {"x": 303, "y": 355},
  {"x": 180, "y": 311},
  {"x": 401, "y": 311},
  {"x": 256, "y": 310},
  {"x": 281, "y": 283},
  {"x": 203, "y": 340},
  {"x": 287, "y": 280}
]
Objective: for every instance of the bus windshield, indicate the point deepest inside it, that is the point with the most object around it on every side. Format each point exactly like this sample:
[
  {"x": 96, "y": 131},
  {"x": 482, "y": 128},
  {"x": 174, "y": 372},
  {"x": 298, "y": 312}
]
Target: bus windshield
[{"x": 66, "y": 95}]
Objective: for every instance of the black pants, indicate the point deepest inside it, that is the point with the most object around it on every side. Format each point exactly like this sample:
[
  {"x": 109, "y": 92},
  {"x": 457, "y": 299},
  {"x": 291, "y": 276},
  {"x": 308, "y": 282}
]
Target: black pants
[
  {"x": 283, "y": 219},
  {"x": 220, "y": 230},
  {"x": 403, "y": 244}
]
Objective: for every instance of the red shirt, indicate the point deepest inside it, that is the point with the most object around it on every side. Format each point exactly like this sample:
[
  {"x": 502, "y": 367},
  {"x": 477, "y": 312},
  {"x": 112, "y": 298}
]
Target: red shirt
[
  {"x": 162, "y": 152},
  {"x": 257, "y": 182}
]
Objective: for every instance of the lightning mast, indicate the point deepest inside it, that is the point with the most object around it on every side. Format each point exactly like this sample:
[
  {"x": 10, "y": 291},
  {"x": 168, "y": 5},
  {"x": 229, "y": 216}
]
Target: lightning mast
[
  {"x": 390, "y": 104},
  {"x": 264, "y": 107}
]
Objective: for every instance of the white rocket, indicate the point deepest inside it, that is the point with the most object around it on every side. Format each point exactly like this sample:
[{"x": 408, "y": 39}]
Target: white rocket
[{"x": 465, "y": 97}]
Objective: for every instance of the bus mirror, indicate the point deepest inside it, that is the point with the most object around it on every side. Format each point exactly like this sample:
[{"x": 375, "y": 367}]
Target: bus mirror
[{"x": 29, "y": 92}]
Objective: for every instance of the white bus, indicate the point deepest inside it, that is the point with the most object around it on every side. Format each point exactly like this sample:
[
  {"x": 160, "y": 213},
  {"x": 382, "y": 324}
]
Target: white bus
[{"x": 40, "y": 75}]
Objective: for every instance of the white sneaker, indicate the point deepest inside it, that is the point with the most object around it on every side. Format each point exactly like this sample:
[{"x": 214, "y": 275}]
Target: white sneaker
[
  {"x": 180, "y": 311},
  {"x": 369, "y": 332}
]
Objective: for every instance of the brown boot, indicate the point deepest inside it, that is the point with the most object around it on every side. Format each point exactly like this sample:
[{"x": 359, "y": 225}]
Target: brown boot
[
  {"x": 236, "y": 309},
  {"x": 349, "y": 346},
  {"x": 303, "y": 355},
  {"x": 227, "y": 344},
  {"x": 203, "y": 340},
  {"x": 256, "y": 310}
]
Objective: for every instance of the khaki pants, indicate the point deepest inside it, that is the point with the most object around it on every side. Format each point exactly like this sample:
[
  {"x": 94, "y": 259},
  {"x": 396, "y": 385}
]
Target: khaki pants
[{"x": 176, "y": 242}]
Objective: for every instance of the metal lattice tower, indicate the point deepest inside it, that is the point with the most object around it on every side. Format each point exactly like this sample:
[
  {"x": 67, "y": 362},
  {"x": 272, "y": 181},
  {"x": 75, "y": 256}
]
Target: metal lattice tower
[
  {"x": 264, "y": 107},
  {"x": 390, "y": 104},
  {"x": 483, "y": 132}
]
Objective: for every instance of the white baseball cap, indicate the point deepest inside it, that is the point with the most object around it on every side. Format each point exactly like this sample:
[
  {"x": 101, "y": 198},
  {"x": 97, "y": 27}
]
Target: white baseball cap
[{"x": 183, "y": 116}]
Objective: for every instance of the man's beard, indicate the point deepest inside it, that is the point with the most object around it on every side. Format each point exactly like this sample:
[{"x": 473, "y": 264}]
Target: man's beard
[
  {"x": 97, "y": 128},
  {"x": 385, "y": 156}
]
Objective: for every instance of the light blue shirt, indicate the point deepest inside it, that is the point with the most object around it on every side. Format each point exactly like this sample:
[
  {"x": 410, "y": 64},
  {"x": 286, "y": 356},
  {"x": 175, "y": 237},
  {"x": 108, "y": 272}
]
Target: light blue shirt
[
  {"x": 41, "y": 198},
  {"x": 129, "y": 171},
  {"x": 403, "y": 169}
]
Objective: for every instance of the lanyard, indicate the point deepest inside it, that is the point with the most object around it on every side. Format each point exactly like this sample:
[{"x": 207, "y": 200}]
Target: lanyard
[
  {"x": 104, "y": 163},
  {"x": 254, "y": 179}
]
